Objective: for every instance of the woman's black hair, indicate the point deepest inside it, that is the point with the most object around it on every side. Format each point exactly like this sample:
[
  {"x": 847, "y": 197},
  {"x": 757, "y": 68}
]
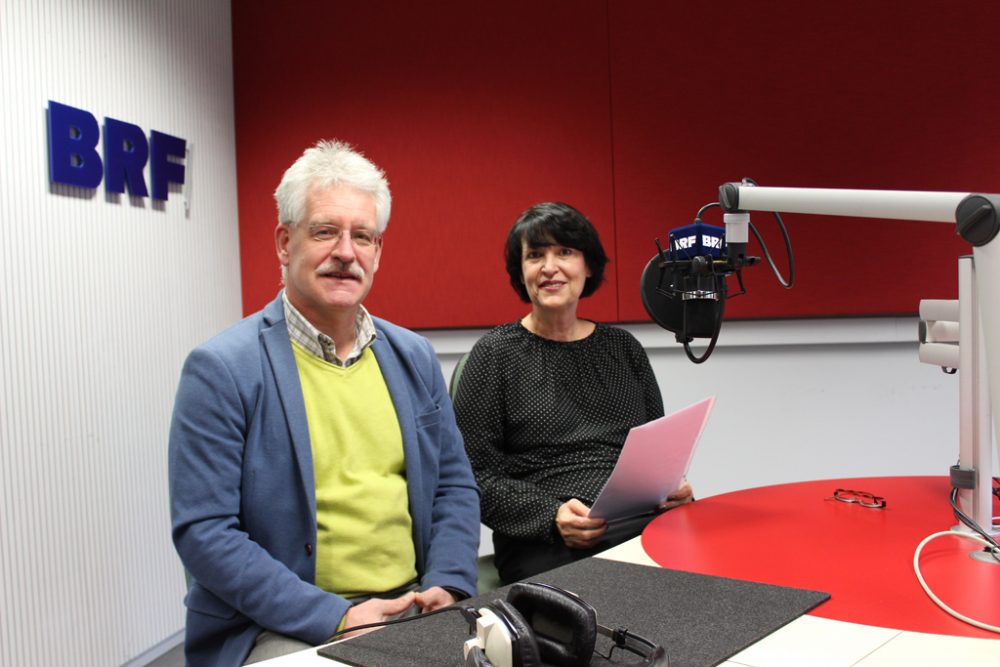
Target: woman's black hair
[{"x": 551, "y": 223}]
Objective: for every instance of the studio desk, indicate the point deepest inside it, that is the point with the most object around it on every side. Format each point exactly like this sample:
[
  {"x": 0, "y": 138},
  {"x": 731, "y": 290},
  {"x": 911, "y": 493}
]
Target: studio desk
[{"x": 796, "y": 535}]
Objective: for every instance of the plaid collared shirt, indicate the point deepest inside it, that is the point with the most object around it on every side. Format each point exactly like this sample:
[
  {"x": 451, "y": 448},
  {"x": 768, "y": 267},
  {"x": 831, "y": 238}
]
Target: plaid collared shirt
[{"x": 316, "y": 342}]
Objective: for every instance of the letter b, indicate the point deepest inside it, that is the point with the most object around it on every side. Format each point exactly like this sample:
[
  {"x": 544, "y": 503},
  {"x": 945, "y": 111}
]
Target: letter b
[{"x": 73, "y": 137}]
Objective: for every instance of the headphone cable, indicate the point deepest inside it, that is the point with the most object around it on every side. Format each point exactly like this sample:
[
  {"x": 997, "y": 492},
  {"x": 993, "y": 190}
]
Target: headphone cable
[{"x": 468, "y": 613}]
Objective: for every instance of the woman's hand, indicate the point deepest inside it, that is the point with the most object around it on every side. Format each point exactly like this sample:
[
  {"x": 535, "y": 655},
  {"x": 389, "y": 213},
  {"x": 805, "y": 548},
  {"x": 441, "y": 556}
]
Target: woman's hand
[
  {"x": 577, "y": 529},
  {"x": 682, "y": 495}
]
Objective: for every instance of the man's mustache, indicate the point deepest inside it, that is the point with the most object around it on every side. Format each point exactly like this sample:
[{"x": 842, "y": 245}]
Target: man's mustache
[{"x": 338, "y": 266}]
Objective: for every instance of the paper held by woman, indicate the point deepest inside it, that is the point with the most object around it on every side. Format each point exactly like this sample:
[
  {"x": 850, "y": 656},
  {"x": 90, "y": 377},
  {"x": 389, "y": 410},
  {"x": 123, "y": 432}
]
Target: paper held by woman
[{"x": 654, "y": 460}]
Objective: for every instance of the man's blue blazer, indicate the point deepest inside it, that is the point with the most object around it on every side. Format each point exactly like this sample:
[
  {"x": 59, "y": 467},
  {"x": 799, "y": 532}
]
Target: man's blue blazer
[{"x": 242, "y": 495}]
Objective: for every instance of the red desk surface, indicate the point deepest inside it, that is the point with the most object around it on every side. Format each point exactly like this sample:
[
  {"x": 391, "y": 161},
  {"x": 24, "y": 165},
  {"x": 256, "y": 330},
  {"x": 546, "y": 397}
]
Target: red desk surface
[{"x": 797, "y": 535}]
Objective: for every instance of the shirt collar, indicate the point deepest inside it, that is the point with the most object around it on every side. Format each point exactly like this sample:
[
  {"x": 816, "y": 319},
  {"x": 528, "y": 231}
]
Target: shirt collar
[{"x": 318, "y": 343}]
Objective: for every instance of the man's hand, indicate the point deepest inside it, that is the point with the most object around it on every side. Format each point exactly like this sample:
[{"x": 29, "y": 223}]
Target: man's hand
[
  {"x": 682, "y": 495},
  {"x": 376, "y": 610},
  {"x": 433, "y": 598},
  {"x": 577, "y": 529}
]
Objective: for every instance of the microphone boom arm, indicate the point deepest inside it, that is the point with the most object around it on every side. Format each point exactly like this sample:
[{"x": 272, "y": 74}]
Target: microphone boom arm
[{"x": 977, "y": 220}]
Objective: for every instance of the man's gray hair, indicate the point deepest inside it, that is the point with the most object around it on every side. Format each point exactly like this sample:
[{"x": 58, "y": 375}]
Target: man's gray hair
[{"x": 326, "y": 165}]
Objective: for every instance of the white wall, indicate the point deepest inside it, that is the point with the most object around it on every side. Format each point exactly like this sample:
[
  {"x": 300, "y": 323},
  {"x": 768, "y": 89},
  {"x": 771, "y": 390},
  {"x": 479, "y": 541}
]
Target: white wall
[
  {"x": 100, "y": 300},
  {"x": 799, "y": 400}
]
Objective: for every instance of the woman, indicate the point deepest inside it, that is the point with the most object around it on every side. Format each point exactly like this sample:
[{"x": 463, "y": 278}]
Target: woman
[{"x": 545, "y": 402}]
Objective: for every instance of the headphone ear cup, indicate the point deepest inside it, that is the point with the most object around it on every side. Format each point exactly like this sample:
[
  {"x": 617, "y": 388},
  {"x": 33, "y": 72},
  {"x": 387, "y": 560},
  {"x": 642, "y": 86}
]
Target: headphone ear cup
[
  {"x": 523, "y": 648},
  {"x": 477, "y": 658},
  {"x": 564, "y": 626}
]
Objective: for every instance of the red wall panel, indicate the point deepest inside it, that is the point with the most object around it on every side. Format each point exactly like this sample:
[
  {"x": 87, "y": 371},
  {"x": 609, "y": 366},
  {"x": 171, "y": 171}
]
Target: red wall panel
[
  {"x": 855, "y": 94},
  {"x": 634, "y": 112},
  {"x": 475, "y": 111}
]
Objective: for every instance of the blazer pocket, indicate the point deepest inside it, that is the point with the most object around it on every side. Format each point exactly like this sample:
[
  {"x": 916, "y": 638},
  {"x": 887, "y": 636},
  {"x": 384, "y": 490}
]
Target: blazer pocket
[{"x": 431, "y": 418}]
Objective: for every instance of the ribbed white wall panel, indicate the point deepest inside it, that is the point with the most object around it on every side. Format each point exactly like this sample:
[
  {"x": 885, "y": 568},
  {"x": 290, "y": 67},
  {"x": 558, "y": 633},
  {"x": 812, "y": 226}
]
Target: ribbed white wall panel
[{"x": 101, "y": 297}]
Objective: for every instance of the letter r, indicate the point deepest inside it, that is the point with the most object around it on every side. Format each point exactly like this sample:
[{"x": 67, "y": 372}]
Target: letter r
[{"x": 125, "y": 155}]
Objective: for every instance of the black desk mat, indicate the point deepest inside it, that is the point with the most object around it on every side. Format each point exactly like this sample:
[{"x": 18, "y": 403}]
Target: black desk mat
[{"x": 700, "y": 620}]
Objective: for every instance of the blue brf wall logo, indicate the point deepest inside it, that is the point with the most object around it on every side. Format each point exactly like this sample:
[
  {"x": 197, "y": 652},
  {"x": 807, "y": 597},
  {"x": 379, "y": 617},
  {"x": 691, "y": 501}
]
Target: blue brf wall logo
[{"x": 74, "y": 159}]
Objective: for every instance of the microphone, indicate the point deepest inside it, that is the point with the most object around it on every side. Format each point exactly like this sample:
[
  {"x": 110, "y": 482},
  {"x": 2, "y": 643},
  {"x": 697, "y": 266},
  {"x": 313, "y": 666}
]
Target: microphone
[{"x": 684, "y": 288}]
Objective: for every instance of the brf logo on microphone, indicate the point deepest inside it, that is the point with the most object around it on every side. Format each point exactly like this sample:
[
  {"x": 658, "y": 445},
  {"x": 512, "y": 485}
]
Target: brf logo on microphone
[
  {"x": 697, "y": 240},
  {"x": 74, "y": 159}
]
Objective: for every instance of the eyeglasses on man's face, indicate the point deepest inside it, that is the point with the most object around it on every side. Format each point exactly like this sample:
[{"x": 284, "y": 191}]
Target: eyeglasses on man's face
[
  {"x": 361, "y": 237},
  {"x": 862, "y": 498}
]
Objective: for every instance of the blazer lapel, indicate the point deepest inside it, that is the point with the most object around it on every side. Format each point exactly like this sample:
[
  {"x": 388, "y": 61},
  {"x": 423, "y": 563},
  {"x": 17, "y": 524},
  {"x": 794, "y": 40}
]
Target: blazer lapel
[
  {"x": 278, "y": 350},
  {"x": 399, "y": 389}
]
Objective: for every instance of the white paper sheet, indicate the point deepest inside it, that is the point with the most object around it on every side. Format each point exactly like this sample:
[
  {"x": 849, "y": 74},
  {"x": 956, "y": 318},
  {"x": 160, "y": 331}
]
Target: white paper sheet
[{"x": 653, "y": 462}]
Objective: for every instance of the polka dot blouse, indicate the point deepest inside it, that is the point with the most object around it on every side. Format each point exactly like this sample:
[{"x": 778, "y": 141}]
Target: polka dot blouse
[{"x": 544, "y": 421}]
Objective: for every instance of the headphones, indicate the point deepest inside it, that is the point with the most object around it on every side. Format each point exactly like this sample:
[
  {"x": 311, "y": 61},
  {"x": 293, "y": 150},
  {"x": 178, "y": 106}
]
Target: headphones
[{"x": 540, "y": 624}]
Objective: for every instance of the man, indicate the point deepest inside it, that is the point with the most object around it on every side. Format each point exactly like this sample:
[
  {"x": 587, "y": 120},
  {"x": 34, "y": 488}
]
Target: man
[{"x": 317, "y": 477}]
